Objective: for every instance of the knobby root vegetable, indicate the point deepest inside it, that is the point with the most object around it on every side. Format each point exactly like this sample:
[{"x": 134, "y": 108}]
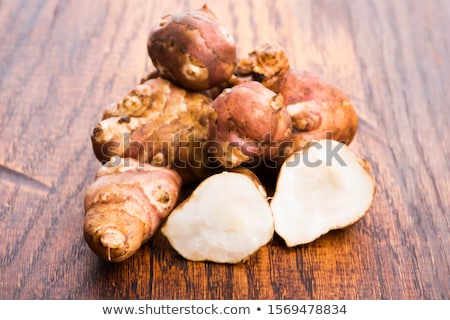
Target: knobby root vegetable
[
  {"x": 323, "y": 187},
  {"x": 266, "y": 64},
  {"x": 158, "y": 123},
  {"x": 125, "y": 205},
  {"x": 250, "y": 124},
  {"x": 192, "y": 49},
  {"x": 318, "y": 110},
  {"x": 226, "y": 219}
]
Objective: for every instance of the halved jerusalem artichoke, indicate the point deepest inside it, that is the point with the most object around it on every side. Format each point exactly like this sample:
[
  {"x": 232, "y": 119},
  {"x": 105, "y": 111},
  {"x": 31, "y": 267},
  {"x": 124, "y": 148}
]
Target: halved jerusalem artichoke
[
  {"x": 226, "y": 219},
  {"x": 323, "y": 187}
]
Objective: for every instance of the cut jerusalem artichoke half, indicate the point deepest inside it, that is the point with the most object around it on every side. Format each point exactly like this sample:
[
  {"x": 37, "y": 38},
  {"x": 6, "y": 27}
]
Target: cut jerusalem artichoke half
[
  {"x": 323, "y": 187},
  {"x": 226, "y": 219}
]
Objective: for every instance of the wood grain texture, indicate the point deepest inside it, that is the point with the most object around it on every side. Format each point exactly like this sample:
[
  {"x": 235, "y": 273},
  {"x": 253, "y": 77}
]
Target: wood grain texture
[{"x": 61, "y": 62}]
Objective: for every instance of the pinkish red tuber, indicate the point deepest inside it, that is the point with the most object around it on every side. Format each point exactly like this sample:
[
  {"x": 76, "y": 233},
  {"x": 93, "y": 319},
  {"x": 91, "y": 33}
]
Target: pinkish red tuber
[
  {"x": 250, "y": 124},
  {"x": 318, "y": 110}
]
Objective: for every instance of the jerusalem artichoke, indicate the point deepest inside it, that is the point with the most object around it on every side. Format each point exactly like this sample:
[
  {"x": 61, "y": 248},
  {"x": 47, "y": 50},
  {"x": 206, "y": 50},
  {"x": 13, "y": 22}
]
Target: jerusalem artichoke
[
  {"x": 219, "y": 223},
  {"x": 158, "y": 123},
  {"x": 323, "y": 187},
  {"x": 125, "y": 205},
  {"x": 318, "y": 110},
  {"x": 266, "y": 64},
  {"x": 250, "y": 124},
  {"x": 192, "y": 49}
]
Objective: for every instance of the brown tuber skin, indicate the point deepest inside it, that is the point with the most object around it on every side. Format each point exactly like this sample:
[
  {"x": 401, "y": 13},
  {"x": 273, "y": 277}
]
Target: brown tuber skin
[
  {"x": 251, "y": 123},
  {"x": 265, "y": 64},
  {"x": 158, "y": 123},
  {"x": 318, "y": 110},
  {"x": 125, "y": 205},
  {"x": 192, "y": 49}
]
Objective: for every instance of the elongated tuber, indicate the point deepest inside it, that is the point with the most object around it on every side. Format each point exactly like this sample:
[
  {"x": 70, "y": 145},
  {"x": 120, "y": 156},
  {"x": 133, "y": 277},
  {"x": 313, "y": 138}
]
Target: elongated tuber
[
  {"x": 219, "y": 223},
  {"x": 323, "y": 187},
  {"x": 125, "y": 205},
  {"x": 193, "y": 49}
]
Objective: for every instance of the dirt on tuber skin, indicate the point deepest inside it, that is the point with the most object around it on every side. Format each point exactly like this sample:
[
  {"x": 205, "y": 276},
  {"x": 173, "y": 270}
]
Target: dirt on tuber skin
[
  {"x": 125, "y": 205},
  {"x": 193, "y": 49},
  {"x": 250, "y": 124},
  {"x": 158, "y": 123}
]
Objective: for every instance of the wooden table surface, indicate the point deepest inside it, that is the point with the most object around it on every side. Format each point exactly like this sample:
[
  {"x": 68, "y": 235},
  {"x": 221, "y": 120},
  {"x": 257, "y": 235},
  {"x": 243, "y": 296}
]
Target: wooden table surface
[{"x": 62, "y": 62}]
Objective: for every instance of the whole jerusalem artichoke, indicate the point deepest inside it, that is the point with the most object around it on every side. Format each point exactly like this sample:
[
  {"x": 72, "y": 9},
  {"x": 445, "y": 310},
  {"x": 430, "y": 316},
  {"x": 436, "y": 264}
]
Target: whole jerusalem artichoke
[{"x": 125, "y": 205}]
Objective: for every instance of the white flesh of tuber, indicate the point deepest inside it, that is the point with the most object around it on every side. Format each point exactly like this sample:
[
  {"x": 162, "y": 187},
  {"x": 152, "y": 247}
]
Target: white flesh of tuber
[
  {"x": 324, "y": 187},
  {"x": 226, "y": 219}
]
